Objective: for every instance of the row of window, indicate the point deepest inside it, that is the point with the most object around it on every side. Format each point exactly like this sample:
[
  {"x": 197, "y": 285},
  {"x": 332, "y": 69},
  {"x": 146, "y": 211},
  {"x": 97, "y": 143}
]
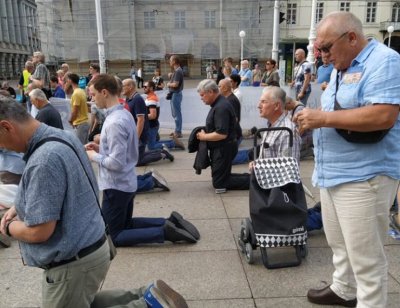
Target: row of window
[
  {"x": 370, "y": 16},
  {"x": 291, "y": 15},
  {"x": 180, "y": 19}
]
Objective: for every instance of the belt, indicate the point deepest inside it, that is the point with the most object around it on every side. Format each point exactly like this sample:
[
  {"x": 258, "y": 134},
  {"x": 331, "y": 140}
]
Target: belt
[{"x": 82, "y": 253}]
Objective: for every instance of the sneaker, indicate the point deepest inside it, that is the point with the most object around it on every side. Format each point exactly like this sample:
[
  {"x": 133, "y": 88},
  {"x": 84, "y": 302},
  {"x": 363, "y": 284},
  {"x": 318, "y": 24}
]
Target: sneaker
[
  {"x": 174, "y": 234},
  {"x": 176, "y": 135},
  {"x": 220, "y": 190},
  {"x": 184, "y": 224},
  {"x": 178, "y": 144},
  {"x": 160, "y": 295},
  {"x": 159, "y": 181},
  {"x": 167, "y": 154}
]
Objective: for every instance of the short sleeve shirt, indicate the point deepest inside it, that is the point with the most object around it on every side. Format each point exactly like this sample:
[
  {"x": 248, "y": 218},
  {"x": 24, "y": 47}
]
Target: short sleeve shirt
[
  {"x": 42, "y": 73},
  {"x": 50, "y": 116},
  {"x": 177, "y": 76},
  {"x": 54, "y": 187},
  {"x": 221, "y": 119},
  {"x": 303, "y": 69},
  {"x": 137, "y": 107}
]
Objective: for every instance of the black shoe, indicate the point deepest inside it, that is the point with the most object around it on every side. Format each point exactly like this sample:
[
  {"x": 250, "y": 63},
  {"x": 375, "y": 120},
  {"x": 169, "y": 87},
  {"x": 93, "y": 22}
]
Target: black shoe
[
  {"x": 159, "y": 181},
  {"x": 5, "y": 241},
  {"x": 174, "y": 234},
  {"x": 326, "y": 296},
  {"x": 182, "y": 223},
  {"x": 167, "y": 155}
]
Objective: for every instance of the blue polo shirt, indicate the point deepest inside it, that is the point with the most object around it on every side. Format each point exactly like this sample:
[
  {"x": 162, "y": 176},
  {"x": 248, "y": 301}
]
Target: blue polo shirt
[{"x": 372, "y": 78}]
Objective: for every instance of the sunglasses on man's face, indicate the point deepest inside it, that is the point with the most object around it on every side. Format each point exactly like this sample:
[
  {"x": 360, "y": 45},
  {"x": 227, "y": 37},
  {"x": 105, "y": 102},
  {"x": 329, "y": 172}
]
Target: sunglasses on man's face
[{"x": 327, "y": 48}]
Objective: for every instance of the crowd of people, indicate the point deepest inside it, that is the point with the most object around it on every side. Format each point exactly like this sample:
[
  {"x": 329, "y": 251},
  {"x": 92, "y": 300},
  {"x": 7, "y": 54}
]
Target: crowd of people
[{"x": 356, "y": 191}]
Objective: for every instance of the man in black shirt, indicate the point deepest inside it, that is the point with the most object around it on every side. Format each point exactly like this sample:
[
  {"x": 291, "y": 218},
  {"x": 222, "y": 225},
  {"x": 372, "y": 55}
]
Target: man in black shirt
[
  {"x": 47, "y": 113},
  {"x": 221, "y": 140}
]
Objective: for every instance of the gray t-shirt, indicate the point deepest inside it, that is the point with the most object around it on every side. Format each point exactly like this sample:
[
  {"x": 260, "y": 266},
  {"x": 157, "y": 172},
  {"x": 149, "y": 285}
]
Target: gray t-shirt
[
  {"x": 54, "y": 187},
  {"x": 42, "y": 73}
]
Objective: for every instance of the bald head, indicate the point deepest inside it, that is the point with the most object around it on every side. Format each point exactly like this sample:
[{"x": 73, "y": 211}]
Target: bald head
[
  {"x": 225, "y": 87},
  {"x": 128, "y": 87},
  {"x": 341, "y": 22},
  {"x": 300, "y": 55}
]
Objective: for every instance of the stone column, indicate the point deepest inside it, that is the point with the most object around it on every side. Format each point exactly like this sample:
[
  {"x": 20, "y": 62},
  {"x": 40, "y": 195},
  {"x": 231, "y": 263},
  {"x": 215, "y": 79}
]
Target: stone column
[
  {"x": 3, "y": 20},
  {"x": 11, "y": 21}
]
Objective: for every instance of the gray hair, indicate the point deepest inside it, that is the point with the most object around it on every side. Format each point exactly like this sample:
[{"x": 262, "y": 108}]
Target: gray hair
[
  {"x": 10, "y": 109},
  {"x": 277, "y": 94},
  {"x": 207, "y": 85},
  {"x": 40, "y": 55},
  {"x": 29, "y": 64},
  {"x": 342, "y": 22},
  {"x": 38, "y": 94}
]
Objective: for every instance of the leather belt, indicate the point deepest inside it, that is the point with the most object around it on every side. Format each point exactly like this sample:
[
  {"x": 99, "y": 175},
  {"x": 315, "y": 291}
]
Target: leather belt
[{"x": 82, "y": 253}]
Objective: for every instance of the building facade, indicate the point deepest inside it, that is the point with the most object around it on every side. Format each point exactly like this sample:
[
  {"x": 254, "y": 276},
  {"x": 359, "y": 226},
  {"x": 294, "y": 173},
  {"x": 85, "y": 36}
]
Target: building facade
[
  {"x": 144, "y": 33},
  {"x": 376, "y": 16},
  {"x": 19, "y": 35}
]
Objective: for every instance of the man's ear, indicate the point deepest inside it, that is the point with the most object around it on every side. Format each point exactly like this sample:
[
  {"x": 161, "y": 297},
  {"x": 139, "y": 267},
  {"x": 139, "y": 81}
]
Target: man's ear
[{"x": 6, "y": 125}]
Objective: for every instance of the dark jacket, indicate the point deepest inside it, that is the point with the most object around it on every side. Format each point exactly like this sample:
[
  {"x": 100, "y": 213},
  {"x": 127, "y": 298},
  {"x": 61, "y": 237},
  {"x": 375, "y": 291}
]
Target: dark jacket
[{"x": 202, "y": 160}]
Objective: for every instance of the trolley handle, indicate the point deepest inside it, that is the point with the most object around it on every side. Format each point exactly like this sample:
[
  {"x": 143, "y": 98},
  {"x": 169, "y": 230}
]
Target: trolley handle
[{"x": 267, "y": 129}]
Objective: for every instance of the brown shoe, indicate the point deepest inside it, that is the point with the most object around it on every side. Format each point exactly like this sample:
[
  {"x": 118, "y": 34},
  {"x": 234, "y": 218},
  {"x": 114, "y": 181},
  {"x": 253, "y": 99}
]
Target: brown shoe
[
  {"x": 326, "y": 296},
  {"x": 178, "y": 144}
]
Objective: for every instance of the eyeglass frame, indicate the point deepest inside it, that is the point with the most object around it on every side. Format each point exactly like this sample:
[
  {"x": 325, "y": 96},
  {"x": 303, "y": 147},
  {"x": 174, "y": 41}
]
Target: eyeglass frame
[{"x": 327, "y": 49}]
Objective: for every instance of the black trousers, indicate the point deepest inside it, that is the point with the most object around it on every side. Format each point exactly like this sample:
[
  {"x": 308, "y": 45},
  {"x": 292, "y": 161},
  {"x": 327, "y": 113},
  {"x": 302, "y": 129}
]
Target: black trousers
[{"x": 221, "y": 168}]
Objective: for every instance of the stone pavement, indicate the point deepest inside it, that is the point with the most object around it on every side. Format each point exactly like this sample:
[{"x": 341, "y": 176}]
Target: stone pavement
[{"x": 211, "y": 273}]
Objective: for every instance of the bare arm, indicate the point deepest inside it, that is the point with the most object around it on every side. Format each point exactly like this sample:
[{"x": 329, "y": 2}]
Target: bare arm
[
  {"x": 33, "y": 234},
  {"x": 363, "y": 119},
  {"x": 152, "y": 113},
  {"x": 140, "y": 125},
  {"x": 214, "y": 136},
  {"x": 74, "y": 114}
]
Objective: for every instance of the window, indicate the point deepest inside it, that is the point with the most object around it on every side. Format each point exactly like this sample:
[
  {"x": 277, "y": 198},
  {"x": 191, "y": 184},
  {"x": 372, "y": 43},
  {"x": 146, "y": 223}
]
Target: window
[
  {"x": 396, "y": 12},
  {"x": 291, "y": 13},
  {"x": 344, "y": 6},
  {"x": 209, "y": 19},
  {"x": 180, "y": 20},
  {"x": 320, "y": 12},
  {"x": 149, "y": 20},
  {"x": 371, "y": 12}
]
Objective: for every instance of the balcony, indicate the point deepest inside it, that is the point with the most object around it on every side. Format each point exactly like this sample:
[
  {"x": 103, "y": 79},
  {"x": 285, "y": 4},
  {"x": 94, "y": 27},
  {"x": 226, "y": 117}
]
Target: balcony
[{"x": 384, "y": 25}]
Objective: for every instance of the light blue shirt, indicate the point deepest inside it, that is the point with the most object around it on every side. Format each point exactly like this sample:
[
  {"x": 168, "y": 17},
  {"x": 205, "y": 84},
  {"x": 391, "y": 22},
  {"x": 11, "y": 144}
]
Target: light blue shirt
[
  {"x": 118, "y": 153},
  {"x": 372, "y": 78},
  {"x": 249, "y": 77}
]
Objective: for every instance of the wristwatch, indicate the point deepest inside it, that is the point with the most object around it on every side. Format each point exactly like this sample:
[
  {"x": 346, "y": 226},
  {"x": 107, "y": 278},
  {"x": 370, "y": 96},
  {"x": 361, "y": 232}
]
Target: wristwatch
[{"x": 8, "y": 227}]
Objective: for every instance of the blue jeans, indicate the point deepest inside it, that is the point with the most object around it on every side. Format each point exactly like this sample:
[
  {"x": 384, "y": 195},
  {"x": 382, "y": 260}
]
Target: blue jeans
[
  {"x": 241, "y": 157},
  {"x": 145, "y": 182},
  {"x": 117, "y": 209},
  {"x": 152, "y": 142},
  {"x": 176, "y": 101}
]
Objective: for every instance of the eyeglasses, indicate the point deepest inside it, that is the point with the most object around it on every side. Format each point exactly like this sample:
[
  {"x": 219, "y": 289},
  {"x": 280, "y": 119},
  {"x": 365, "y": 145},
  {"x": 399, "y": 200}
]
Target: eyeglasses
[{"x": 327, "y": 48}]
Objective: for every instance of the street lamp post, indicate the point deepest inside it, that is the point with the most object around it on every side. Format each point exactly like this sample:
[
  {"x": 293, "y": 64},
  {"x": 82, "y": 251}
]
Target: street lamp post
[
  {"x": 242, "y": 34},
  {"x": 390, "y": 30}
]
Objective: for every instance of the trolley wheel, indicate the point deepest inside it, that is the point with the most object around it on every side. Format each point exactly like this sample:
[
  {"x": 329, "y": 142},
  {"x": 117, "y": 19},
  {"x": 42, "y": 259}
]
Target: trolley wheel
[
  {"x": 303, "y": 251},
  {"x": 241, "y": 245},
  {"x": 248, "y": 255},
  {"x": 242, "y": 234}
]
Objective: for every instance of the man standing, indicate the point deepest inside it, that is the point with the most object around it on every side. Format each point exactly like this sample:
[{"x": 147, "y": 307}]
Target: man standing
[
  {"x": 79, "y": 111},
  {"x": 302, "y": 77},
  {"x": 57, "y": 230},
  {"x": 221, "y": 139},
  {"x": 245, "y": 74},
  {"x": 25, "y": 76},
  {"x": 358, "y": 189},
  {"x": 47, "y": 113},
  {"x": 324, "y": 72},
  {"x": 228, "y": 62},
  {"x": 56, "y": 88},
  {"x": 41, "y": 77},
  {"x": 175, "y": 86}
]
